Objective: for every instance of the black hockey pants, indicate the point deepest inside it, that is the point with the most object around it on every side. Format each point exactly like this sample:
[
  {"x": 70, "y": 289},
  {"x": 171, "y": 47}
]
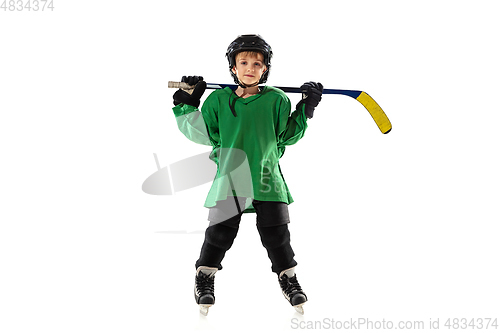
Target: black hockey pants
[{"x": 272, "y": 219}]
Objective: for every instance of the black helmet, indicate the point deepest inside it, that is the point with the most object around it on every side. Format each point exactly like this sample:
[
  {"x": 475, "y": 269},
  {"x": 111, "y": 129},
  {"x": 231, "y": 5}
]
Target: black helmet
[{"x": 249, "y": 43}]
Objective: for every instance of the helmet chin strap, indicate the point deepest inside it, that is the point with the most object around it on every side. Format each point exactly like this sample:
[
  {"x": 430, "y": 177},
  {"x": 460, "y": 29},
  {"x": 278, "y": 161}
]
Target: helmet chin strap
[{"x": 244, "y": 86}]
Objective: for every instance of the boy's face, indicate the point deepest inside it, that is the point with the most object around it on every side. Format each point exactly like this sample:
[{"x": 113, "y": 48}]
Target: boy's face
[{"x": 249, "y": 68}]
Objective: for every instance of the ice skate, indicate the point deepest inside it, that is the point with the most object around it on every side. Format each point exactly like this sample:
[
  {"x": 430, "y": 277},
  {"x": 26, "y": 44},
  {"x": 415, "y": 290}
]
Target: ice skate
[
  {"x": 204, "y": 288},
  {"x": 291, "y": 289}
]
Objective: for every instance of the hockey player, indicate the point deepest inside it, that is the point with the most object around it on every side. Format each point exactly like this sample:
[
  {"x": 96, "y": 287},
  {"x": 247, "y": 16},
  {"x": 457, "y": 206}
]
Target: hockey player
[{"x": 256, "y": 120}]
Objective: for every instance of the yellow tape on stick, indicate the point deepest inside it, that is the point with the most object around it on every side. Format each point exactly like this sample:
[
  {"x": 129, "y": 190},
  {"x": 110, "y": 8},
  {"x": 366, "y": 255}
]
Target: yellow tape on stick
[{"x": 376, "y": 112}]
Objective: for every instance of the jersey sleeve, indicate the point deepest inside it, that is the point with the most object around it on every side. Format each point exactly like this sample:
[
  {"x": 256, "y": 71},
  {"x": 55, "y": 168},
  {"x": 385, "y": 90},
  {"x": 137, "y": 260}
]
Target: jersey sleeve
[
  {"x": 191, "y": 123},
  {"x": 210, "y": 113},
  {"x": 291, "y": 126}
]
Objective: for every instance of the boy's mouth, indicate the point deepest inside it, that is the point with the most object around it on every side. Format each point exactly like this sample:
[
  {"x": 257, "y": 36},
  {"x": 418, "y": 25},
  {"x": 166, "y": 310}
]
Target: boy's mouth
[{"x": 249, "y": 75}]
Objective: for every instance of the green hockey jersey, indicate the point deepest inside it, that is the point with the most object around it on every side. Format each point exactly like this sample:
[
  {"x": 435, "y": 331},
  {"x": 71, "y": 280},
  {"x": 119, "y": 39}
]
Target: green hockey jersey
[{"x": 248, "y": 137}]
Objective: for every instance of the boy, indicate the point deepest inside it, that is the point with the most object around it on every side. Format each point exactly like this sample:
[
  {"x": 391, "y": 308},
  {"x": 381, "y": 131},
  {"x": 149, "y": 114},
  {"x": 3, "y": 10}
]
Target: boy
[{"x": 256, "y": 122}]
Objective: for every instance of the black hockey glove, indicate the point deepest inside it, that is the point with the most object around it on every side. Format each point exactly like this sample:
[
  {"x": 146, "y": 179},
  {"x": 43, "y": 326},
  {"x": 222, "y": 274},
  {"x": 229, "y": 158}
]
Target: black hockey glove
[
  {"x": 191, "y": 96},
  {"x": 311, "y": 96}
]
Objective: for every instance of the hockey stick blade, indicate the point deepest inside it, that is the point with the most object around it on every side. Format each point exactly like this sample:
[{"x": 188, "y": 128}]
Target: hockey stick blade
[
  {"x": 366, "y": 100},
  {"x": 381, "y": 119}
]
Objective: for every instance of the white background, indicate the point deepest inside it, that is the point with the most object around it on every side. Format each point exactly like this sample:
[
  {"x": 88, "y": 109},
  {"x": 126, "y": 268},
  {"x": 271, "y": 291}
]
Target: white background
[{"x": 402, "y": 226}]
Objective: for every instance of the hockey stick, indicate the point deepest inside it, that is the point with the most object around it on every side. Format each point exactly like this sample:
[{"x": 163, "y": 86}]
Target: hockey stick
[{"x": 368, "y": 102}]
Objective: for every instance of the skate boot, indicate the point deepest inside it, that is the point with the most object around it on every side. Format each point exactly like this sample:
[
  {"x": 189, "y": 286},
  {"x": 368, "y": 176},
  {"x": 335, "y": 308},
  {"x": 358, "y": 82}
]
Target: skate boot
[
  {"x": 291, "y": 289},
  {"x": 204, "y": 288}
]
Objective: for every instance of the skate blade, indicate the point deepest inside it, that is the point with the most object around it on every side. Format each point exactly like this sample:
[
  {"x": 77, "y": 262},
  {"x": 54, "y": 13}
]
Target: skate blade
[
  {"x": 299, "y": 309},
  {"x": 204, "y": 309}
]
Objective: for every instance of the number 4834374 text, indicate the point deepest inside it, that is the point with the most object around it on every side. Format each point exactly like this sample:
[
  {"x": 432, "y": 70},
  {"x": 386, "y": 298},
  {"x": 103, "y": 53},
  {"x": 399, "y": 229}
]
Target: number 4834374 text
[{"x": 27, "y": 5}]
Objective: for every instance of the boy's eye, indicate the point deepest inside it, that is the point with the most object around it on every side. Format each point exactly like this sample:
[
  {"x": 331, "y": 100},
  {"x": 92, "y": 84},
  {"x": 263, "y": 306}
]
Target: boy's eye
[{"x": 243, "y": 62}]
